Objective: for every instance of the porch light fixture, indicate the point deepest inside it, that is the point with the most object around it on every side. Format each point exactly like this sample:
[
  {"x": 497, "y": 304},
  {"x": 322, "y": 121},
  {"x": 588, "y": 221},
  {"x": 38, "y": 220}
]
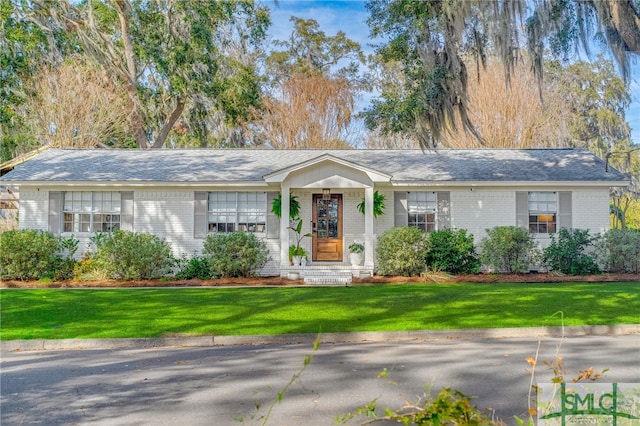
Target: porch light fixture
[{"x": 326, "y": 194}]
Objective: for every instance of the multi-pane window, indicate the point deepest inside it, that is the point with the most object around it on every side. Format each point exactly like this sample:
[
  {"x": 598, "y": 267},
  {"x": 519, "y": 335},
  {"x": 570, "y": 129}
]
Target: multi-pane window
[
  {"x": 543, "y": 208},
  {"x": 87, "y": 211},
  {"x": 421, "y": 209},
  {"x": 237, "y": 211}
]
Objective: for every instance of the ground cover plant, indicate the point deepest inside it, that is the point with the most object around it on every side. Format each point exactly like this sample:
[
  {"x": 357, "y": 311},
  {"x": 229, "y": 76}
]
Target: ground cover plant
[{"x": 154, "y": 312}]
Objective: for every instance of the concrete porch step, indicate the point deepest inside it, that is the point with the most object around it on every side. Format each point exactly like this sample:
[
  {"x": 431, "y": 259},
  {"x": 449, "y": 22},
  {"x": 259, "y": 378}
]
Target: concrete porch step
[{"x": 328, "y": 277}]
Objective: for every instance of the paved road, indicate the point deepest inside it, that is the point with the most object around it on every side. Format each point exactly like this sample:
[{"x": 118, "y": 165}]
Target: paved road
[{"x": 214, "y": 386}]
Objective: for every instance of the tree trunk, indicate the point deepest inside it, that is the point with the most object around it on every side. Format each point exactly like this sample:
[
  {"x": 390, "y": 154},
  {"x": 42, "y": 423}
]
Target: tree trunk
[
  {"x": 164, "y": 132},
  {"x": 626, "y": 20},
  {"x": 137, "y": 121}
]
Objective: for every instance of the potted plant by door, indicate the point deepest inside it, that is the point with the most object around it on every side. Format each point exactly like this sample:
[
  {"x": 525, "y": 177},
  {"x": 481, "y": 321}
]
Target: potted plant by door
[
  {"x": 356, "y": 252},
  {"x": 297, "y": 253}
]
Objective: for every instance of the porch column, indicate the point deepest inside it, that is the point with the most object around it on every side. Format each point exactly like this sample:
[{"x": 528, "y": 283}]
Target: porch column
[
  {"x": 368, "y": 226},
  {"x": 284, "y": 227}
]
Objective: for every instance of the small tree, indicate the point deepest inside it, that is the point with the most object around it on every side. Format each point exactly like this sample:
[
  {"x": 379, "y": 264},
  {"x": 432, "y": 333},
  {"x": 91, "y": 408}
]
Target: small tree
[
  {"x": 402, "y": 251},
  {"x": 507, "y": 249}
]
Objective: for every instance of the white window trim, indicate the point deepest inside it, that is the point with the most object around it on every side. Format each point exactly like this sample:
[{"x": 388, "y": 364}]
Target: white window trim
[
  {"x": 236, "y": 212},
  {"x": 92, "y": 213},
  {"x": 556, "y": 213},
  {"x": 433, "y": 211}
]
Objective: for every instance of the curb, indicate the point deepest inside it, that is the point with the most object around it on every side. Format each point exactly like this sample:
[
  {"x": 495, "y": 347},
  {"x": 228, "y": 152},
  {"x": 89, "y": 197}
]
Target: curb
[{"x": 290, "y": 339}]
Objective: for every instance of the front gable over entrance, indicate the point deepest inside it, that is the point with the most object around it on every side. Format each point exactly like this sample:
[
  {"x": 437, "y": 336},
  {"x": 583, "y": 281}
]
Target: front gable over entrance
[
  {"x": 333, "y": 173},
  {"x": 327, "y": 171}
]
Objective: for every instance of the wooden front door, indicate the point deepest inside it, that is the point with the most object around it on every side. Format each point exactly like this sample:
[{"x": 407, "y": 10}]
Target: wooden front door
[{"x": 327, "y": 228}]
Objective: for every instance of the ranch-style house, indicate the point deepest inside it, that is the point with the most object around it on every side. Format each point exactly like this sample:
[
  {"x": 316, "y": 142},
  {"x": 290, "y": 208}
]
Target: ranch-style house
[{"x": 183, "y": 195}]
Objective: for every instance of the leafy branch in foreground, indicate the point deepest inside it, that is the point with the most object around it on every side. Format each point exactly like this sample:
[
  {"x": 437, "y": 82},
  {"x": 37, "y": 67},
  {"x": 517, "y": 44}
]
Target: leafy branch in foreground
[
  {"x": 450, "y": 406},
  {"x": 559, "y": 373}
]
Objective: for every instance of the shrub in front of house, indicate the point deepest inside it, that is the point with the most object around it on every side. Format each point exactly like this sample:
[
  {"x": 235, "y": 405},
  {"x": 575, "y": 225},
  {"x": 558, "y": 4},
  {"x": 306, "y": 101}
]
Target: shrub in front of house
[
  {"x": 65, "y": 264},
  {"x": 235, "y": 254},
  {"x": 402, "y": 251},
  {"x": 195, "y": 267},
  {"x": 507, "y": 249},
  {"x": 566, "y": 253},
  {"x": 618, "y": 250},
  {"x": 452, "y": 250},
  {"x": 30, "y": 254},
  {"x": 125, "y": 255}
]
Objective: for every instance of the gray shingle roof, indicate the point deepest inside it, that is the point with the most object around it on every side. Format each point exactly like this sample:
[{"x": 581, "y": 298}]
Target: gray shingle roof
[{"x": 217, "y": 165}]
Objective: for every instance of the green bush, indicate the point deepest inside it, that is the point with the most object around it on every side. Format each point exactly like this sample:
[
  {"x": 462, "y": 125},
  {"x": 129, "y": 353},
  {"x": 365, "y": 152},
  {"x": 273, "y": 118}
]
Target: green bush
[
  {"x": 195, "y": 267},
  {"x": 452, "y": 251},
  {"x": 618, "y": 250},
  {"x": 65, "y": 264},
  {"x": 30, "y": 254},
  {"x": 507, "y": 249},
  {"x": 449, "y": 407},
  {"x": 235, "y": 254},
  {"x": 402, "y": 251},
  {"x": 125, "y": 255},
  {"x": 566, "y": 253}
]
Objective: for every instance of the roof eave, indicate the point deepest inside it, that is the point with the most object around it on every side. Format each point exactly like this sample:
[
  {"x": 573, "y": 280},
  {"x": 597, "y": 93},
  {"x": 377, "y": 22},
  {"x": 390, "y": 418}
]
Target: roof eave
[
  {"x": 524, "y": 183},
  {"x": 137, "y": 183}
]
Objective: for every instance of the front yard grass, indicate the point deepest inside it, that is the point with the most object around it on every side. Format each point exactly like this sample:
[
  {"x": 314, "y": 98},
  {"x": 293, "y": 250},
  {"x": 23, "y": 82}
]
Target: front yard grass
[{"x": 155, "y": 312}]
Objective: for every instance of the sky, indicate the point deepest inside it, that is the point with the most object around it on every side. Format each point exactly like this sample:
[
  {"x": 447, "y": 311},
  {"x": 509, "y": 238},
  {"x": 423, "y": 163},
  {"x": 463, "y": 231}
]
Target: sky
[{"x": 350, "y": 16}]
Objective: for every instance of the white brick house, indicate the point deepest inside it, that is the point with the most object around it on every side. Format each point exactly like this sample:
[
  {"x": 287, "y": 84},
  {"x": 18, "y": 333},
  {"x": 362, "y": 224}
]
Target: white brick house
[{"x": 182, "y": 195}]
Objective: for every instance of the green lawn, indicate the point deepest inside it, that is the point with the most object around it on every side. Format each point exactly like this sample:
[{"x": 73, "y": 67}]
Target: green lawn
[{"x": 145, "y": 312}]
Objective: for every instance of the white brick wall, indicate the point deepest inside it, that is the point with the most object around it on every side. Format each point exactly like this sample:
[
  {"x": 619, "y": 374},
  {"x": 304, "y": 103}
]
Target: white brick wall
[
  {"x": 590, "y": 210},
  {"x": 482, "y": 209},
  {"x": 485, "y": 208},
  {"x": 170, "y": 214}
]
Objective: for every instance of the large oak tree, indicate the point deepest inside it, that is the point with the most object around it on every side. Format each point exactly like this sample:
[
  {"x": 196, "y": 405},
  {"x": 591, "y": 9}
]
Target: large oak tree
[
  {"x": 431, "y": 37},
  {"x": 168, "y": 54}
]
